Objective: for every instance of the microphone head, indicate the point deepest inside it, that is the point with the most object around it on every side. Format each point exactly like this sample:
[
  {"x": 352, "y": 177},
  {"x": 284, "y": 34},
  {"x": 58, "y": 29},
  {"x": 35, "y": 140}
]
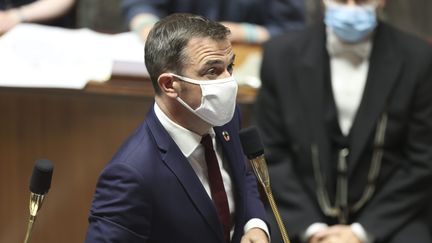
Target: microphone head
[
  {"x": 251, "y": 142},
  {"x": 41, "y": 178}
]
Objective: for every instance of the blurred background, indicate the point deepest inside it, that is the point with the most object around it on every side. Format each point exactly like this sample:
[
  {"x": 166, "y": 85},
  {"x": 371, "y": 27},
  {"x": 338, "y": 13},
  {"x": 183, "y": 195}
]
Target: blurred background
[
  {"x": 412, "y": 16},
  {"x": 79, "y": 130}
]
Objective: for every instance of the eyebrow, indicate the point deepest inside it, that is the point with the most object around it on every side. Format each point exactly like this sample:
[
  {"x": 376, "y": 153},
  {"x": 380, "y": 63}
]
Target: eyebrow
[
  {"x": 213, "y": 62},
  {"x": 217, "y": 62}
]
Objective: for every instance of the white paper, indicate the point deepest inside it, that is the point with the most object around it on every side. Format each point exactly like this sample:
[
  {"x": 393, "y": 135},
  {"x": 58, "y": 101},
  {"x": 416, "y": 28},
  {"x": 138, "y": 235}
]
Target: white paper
[
  {"x": 33, "y": 55},
  {"x": 128, "y": 56}
]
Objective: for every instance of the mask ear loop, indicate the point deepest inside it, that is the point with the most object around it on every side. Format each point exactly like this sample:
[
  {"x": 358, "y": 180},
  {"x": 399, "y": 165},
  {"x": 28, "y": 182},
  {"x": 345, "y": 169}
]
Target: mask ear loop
[
  {"x": 180, "y": 100},
  {"x": 203, "y": 82},
  {"x": 185, "y": 79}
]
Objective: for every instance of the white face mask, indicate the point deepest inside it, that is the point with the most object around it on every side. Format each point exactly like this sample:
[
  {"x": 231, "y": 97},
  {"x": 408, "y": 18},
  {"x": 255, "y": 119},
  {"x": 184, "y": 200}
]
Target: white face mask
[{"x": 218, "y": 99}]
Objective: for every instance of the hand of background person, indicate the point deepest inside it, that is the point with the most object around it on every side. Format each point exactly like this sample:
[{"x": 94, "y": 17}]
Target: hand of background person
[
  {"x": 142, "y": 24},
  {"x": 143, "y": 33},
  {"x": 255, "y": 235},
  {"x": 335, "y": 234},
  {"x": 247, "y": 33},
  {"x": 8, "y": 19},
  {"x": 237, "y": 32}
]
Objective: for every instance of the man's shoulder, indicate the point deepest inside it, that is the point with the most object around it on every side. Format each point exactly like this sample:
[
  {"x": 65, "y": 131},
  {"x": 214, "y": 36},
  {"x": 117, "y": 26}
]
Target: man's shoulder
[
  {"x": 407, "y": 43},
  {"x": 297, "y": 37},
  {"x": 138, "y": 150},
  {"x": 294, "y": 43}
]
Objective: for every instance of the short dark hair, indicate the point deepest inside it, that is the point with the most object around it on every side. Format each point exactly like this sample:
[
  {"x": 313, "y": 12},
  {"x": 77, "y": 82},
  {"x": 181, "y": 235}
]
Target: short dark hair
[{"x": 164, "y": 47}]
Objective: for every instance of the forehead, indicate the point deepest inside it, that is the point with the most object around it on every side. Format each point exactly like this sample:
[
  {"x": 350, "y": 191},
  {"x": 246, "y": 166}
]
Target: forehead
[{"x": 200, "y": 50}]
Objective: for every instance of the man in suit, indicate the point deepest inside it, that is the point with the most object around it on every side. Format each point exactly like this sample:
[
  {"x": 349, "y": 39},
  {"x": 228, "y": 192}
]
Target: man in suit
[
  {"x": 345, "y": 110},
  {"x": 182, "y": 177}
]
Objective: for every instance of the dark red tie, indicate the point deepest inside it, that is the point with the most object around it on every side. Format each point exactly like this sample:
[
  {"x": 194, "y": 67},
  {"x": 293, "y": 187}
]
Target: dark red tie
[{"x": 217, "y": 188}]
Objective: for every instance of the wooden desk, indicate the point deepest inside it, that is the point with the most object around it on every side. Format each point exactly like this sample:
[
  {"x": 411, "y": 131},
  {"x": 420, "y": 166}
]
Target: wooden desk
[{"x": 79, "y": 130}]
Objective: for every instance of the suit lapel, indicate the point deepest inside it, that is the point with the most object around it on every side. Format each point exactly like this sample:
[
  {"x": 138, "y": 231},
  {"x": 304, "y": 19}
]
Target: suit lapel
[
  {"x": 384, "y": 67},
  {"x": 181, "y": 168},
  {"x": 312, "y": 74},
  {"x": 231, "y": 148}
]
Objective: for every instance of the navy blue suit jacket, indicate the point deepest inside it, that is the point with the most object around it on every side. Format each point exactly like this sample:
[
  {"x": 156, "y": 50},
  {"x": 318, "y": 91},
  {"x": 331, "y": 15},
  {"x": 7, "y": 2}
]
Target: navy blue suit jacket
[{"x": 150, "y": 193}]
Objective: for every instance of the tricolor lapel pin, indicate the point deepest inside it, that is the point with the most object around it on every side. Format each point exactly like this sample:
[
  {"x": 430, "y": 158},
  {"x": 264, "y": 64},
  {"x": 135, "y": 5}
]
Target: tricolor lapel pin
[{"x": 226, "y": 135}]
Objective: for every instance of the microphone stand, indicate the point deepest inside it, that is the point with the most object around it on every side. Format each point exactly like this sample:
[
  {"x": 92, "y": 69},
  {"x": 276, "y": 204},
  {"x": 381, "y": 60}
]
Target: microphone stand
[
  {"x": 260, "y": 169},
  {"x": 34, "y": 206}
]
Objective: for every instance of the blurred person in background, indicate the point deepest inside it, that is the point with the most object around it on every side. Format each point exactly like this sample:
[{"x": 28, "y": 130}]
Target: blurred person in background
[
  {"x": 55, "y": 12},
  {"x": 345, "y": 110},
  {"x": 250, "y": 21}
]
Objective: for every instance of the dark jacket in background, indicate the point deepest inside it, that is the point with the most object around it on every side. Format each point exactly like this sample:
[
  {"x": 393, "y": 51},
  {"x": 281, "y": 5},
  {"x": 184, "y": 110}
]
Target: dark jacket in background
[{"x": 291, "y": 112}]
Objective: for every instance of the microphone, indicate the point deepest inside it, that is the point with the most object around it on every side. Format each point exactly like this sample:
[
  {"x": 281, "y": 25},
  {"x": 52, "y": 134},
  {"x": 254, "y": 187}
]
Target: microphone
[
  {"x": 40, "y": 183},
  {"x": 254, "y": 151}
]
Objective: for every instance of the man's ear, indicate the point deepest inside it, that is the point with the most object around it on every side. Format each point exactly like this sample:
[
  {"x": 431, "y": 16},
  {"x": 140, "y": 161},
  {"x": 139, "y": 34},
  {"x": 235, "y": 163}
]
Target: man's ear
[{"x": 167, "y": 85}]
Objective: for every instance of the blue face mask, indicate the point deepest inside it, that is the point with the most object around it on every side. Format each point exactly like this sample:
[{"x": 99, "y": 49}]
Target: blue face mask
[{"x": 350, "y": 23}]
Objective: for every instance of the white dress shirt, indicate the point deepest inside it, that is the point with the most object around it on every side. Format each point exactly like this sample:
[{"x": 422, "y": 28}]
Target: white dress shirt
[
  {"x": 189, "y": 144},
  {"x": 349, "y": 65}
]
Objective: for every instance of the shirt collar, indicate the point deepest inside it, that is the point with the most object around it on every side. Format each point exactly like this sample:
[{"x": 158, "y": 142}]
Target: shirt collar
[
  {"x": 353, "y": 51},
  {"x": 186, "y": 140}
]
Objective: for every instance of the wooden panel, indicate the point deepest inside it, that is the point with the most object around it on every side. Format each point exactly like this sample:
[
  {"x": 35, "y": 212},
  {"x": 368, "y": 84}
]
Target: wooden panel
[{"x": 79, "y": 132}]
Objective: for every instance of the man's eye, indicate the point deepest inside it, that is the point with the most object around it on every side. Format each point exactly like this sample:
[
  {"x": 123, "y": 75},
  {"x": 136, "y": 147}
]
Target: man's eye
[
  {"x": 230, "y": 68},
  {"x": 212, "y": 71}
]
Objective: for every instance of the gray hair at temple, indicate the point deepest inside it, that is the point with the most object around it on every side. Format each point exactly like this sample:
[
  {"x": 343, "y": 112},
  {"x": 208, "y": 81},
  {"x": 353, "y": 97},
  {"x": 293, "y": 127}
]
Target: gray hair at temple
[{"x": 165, "y": 44}]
